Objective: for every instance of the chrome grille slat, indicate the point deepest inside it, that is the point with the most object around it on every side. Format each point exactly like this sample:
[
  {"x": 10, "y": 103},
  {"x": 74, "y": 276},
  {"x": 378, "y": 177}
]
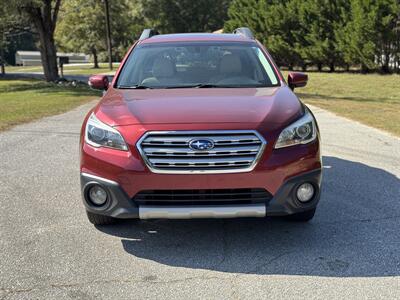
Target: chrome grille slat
[
  {"x": 198, "y": 155},
  {"x": 169, "y": 152},
  {"x": 187, "y": 152},
  {"x": 199, "y": 167},
  {"x": 202, "y": 160},
  {"x": 188, "y": 138},
  {"x": 183, "y": 144}
]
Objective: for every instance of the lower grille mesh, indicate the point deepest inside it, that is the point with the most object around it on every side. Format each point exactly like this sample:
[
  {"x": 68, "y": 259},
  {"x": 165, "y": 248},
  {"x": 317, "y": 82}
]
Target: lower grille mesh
[{"x": 203, "y": 197}]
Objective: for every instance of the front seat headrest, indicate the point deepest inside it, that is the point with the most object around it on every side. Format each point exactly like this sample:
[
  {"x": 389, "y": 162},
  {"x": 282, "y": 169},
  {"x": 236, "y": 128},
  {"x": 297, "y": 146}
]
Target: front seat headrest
[
  {"x": 163, "y": 67},
  {"x": 230, "y": 63}
]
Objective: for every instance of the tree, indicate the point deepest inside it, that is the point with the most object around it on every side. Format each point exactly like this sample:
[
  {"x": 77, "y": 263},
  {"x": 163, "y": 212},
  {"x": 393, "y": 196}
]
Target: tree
[
  {"x": 369, "y": 36},
  {"x": 82, "y": 27},
  {"x": 4, "y": 24},
  {"x": 42, "y": 14},
  {"x": 185, "y": 15},
  {"x": 274, "y": 23},
  {"x": 387, "y": 14},
  {"x": 323, "y": 32},
  {"x": 397, "y": 44},
  {"x": 15, "y": 34},
  {"x": 108, "y": 32},
  {"x": 246, "y": 13},
  {"x": 342, "y": 34},
  {"x": 316, "y": 39},
  {"x": 281, "y": 31}
]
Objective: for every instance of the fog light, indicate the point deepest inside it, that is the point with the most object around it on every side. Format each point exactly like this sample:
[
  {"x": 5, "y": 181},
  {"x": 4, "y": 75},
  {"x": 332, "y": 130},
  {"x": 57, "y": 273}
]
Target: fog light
[
  {"x": 97, "y": 195},
  {"x": 305, "y": 192}
]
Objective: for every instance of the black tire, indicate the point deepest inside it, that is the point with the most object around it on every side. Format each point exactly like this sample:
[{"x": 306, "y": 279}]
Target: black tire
[
  {"x": 304, "y": 216},
  {"x": 96, "y": 219}
]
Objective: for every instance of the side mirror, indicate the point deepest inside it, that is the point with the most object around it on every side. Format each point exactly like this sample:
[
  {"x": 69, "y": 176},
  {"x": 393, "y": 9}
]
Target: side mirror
[
  {"x": 99, "y": 82},
  {"x": 297, "y": 79}
]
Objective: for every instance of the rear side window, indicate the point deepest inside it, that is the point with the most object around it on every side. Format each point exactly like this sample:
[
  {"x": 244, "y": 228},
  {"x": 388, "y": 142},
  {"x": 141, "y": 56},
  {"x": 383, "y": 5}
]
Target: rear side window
[{"x": 175, "y": 65}]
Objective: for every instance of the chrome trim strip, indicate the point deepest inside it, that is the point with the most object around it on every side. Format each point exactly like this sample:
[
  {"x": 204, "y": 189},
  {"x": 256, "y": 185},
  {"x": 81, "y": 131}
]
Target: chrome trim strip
[
  {"x": 193, "y": 212},
  {"x": 207, "y": 133},
  {"x": 94, "y": 177},
  {"x": 205, "y": 160}
]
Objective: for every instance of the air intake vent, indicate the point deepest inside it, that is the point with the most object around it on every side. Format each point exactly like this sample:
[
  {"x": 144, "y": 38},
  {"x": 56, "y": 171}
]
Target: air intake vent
[
  {"x": 203, "y": 197},
  {"x": 183, "y": 152}
]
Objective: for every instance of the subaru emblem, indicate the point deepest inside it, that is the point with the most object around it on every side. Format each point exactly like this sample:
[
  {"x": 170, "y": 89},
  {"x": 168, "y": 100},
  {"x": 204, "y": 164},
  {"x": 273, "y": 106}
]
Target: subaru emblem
[{"x": 201, "y": 144}]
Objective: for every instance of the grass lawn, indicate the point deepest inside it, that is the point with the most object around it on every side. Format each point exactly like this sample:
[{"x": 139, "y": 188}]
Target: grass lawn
[
  {"x": 27, "y": 99},
  {"x": 81, "y": 69},
  {"x": 370, "y": 99}
]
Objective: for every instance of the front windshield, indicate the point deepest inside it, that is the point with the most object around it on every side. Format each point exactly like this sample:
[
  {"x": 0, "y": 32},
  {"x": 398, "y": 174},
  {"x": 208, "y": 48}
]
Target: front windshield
[{"x": 197, "y": 64}]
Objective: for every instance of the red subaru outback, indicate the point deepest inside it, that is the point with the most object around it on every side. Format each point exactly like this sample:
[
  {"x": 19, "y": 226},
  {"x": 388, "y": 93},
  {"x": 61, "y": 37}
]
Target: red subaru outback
[{"x": 199, "y": 126}]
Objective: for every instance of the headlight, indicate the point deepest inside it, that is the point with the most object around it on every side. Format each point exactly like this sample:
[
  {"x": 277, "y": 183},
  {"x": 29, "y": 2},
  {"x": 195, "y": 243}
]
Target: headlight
[
  {"x": 302, "y": 131},
  {"x": 99, "y": 134}
]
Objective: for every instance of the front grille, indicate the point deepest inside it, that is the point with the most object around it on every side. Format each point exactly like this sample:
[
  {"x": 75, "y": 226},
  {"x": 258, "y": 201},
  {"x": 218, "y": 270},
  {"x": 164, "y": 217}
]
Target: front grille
[
  {"x": 203, "y": 197},
  {"x": 232, "y": 151}
]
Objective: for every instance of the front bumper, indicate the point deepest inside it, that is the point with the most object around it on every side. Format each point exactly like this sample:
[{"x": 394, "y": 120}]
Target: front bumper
[
  {"x": 124, "y": 174},
  {"x": 120, "y": 205}
]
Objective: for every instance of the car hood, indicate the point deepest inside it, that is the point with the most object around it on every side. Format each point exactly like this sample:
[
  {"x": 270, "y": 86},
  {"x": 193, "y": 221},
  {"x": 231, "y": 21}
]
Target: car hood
[{"x": 276, "y": 105}]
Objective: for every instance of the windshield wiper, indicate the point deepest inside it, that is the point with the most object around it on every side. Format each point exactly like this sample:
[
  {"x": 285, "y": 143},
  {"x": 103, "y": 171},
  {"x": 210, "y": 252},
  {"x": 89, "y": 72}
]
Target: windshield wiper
[
  {"x": 210, "y": 85},
  {"x": 136, "y": 87},
  {"x": 207, "y": 85},
  {"x": 191, "y": 86}
]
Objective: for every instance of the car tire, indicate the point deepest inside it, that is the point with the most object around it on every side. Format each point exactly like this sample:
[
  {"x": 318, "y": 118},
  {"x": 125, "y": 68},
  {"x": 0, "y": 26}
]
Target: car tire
[
  {"x": 96, "y": 219},
  {"x": 304, "y": 216}
]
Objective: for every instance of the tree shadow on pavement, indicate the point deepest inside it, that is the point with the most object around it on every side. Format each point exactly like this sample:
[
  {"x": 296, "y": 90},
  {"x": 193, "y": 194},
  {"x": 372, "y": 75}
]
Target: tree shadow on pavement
[{"x": 355, "y": 233}]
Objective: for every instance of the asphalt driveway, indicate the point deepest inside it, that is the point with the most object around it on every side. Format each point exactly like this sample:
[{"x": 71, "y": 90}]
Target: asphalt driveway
[{"x": 49, "y": 250}]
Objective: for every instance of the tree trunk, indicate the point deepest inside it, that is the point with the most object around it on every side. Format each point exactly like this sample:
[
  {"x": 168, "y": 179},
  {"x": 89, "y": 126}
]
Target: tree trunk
[
  {"x": 95, "y": 59},
  {"x": 48, "y": 55},
  {"x": 398, "y": 57},
  {"x": 364, "y": 69},
  {"x": 385, "y": 69},
  {"x": 3, "y": 69},
  {"x": 44, "y": 19},
  {"x": 385, "y": 66},
  {"x": 332, "y": 67},
  {"x": 108, "y": 31},
  {"x": 319, "y": 66}
]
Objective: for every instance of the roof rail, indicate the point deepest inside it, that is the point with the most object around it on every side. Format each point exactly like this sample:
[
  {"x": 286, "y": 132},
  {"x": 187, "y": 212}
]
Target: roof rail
[
  {"x": 245, "y": 31},
  {"x": 148, "y": 33}
]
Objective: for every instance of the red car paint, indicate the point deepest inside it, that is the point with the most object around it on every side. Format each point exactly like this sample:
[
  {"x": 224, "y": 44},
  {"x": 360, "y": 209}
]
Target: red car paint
[{"x": 135, "y": 112}]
